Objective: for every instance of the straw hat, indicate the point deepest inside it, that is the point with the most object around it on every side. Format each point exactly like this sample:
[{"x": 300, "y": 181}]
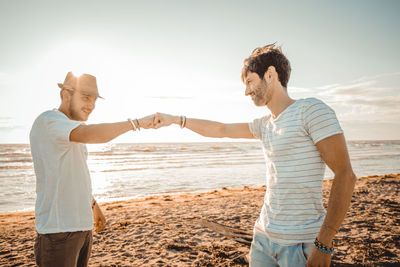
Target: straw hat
[{"x": 85, "y": 84}]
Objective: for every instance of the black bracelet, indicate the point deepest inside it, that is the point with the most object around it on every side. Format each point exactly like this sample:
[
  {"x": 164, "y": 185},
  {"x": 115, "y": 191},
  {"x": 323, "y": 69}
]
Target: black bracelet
[
  {"x": 322, "y": 247},
  {"x": 93, "y": 203}
]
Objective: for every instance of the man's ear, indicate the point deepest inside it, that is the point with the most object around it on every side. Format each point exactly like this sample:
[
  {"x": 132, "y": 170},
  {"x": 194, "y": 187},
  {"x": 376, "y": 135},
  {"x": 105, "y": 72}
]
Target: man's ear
[
  {"x": 270, "y": 73},
  {"x": 65, "y": 95}
]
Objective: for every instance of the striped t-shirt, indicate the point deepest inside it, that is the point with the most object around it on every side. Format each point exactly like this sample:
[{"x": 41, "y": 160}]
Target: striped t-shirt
[{"x": 293, "y": 211}]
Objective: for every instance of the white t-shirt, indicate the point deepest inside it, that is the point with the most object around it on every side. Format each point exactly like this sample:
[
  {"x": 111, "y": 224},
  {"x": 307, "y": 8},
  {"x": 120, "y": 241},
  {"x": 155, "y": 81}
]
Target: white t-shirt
[
  {"x": 293, "y": 212},
  {"x": 63, "y": 185}
]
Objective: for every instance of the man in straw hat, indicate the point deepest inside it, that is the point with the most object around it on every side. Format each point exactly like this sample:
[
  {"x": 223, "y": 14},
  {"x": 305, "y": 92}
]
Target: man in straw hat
[
  {"x": 65, "y": 207},
  {"x": 298, "y": 138}
]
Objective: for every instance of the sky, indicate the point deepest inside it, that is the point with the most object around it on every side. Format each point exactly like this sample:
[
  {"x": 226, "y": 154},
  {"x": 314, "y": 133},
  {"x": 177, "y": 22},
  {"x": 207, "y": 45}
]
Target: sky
[{"x": 185, "y": 58}]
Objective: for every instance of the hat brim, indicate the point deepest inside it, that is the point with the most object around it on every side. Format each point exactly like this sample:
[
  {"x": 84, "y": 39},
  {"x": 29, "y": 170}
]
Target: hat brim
[
  {"x": 69, "y": 87},
  {"x": 90, "y": 94}
]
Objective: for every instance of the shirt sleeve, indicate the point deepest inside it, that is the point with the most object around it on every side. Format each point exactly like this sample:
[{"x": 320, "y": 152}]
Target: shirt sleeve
[
  {"x": 60, "y": 127},
  {"x": 320, "y": 121},
  {"x": 255, "y": 128}
]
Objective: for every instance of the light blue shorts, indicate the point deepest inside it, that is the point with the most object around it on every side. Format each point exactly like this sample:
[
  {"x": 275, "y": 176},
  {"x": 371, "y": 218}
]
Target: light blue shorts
[{"x": 263, "y": 252}]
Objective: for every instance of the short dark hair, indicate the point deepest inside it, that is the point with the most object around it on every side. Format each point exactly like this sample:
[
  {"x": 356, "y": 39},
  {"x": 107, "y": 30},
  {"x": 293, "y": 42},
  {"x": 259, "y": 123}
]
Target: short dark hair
[{"x": 262, "y": 58}]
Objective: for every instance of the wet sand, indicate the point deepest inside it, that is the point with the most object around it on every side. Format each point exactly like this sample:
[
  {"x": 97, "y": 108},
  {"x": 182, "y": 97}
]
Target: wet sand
[{"x": 167, "y": 230}]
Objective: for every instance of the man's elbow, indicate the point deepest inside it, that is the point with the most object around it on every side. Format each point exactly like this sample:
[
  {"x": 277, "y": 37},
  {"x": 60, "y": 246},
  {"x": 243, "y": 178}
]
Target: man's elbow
[
  {"x": 347, "y": 175},
  {"x": 351, "y": 175},
  {"x": 220, "y": 131}
]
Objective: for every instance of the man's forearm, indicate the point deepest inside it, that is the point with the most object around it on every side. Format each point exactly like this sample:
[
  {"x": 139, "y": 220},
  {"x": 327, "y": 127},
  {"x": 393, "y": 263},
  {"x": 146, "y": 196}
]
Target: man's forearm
[
  {"x": 99, "y": 133},
  {"x": 213, "y": 129},
  {"x": 338, "y": 204},
  {"x": 203, "y": 127}
]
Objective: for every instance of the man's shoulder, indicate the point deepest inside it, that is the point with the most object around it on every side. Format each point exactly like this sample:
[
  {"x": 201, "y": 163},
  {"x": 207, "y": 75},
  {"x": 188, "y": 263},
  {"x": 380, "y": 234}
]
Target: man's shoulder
[
  {"x": 39, "y": 125},
  {"x": 263, "y": 119},
  {"x": 51, "y": 115},
  {"x": 48, "y": 116},
  {"x": 42, "y": 116},
  {"x": 309, "y": 101},
  {"x": 312, "y": 104}
]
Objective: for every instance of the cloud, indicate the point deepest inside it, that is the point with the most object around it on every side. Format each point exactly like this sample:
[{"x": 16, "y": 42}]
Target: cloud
[
  {"x": 380, "y": 102},
  {"x": 350, "y": 89},
  {"x": 378, "y": 76},
  {"x": 368, "y": 107},
  {"x": 9, "y": 123},
  {"x": 371, "y": 100},
  {"x": 378, "y": 84},
  {"x": 5, "y": 119}
]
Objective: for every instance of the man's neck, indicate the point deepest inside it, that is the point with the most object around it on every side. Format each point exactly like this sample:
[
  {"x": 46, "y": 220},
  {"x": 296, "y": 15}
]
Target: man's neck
[
  {"x": 62, "y": 109},
  {"x": 279, "y": 102}
]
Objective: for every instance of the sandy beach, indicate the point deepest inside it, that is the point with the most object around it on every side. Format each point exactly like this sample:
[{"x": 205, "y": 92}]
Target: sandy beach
[{"x": 169, "y": 230}]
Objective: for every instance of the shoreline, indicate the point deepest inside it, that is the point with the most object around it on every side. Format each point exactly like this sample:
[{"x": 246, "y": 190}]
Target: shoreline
[
  {"x": 122, "y": 199},
  {"x": 165, "y": 230},
  {"x": 217, "y": 140}
]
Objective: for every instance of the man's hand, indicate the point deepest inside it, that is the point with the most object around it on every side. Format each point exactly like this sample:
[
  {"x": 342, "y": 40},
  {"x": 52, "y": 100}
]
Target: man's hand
[
  {"x": 146, "y": 122},
  {"x": 99, "y": 219},
  {"x": 319, "y": 259},
  {"x": 162, "y": 119}
]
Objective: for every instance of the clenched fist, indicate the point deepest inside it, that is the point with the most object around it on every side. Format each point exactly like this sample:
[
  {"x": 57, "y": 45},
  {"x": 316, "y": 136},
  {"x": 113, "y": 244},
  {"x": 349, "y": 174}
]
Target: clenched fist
[
  {"x": 162, "y": 119},
  {"x": 147, "y": 122},
  {"x": 99, "y": 219}
]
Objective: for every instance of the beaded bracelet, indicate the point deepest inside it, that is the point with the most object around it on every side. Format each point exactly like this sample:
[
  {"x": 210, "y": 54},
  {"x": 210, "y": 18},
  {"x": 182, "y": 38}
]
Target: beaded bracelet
[{"x": 322, "y": 247}]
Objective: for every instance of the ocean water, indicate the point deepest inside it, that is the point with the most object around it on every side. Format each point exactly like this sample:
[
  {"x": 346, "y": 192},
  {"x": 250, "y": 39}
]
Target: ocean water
[{"x": 121, "y": 171}]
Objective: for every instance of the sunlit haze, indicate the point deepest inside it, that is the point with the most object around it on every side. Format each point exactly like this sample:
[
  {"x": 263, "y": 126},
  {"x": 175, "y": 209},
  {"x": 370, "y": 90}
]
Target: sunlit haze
[{"x": 185, "y": 57}]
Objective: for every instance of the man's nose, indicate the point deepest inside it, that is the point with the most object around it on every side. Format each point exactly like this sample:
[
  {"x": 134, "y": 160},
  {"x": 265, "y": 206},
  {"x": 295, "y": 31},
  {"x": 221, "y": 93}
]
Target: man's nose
[
  {"x": 247, "y": 91},
  {"x": 92, "y": 105}
]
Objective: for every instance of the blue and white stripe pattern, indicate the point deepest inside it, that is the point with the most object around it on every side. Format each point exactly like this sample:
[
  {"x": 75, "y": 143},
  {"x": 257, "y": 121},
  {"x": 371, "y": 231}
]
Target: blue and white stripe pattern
[{"x": 293, "y": 211}]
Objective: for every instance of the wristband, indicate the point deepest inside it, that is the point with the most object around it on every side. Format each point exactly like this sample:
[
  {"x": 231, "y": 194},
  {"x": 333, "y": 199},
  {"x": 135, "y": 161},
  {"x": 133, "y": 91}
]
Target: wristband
[
  {"x": 322, "y": 247},
  {"x": 133, "y": 125},
  {"x": 138, "y": 125},
  {"x": 183, "y": 122}
]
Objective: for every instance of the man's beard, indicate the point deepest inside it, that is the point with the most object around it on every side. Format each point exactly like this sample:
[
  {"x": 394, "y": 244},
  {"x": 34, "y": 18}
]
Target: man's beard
[
  {"x": 263, "y": 94},
  {"x": 75, "y": 115}
]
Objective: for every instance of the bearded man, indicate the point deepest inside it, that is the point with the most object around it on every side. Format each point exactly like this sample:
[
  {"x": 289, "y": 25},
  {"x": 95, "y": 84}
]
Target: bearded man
[
  {"x": 64, "y": 203},
  {"x": 298, "y": 138}
]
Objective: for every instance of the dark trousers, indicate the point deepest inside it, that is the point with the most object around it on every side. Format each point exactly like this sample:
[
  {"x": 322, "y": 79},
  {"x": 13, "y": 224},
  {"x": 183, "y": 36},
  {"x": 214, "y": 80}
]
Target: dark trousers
[{"x": 68, "y": 249}]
